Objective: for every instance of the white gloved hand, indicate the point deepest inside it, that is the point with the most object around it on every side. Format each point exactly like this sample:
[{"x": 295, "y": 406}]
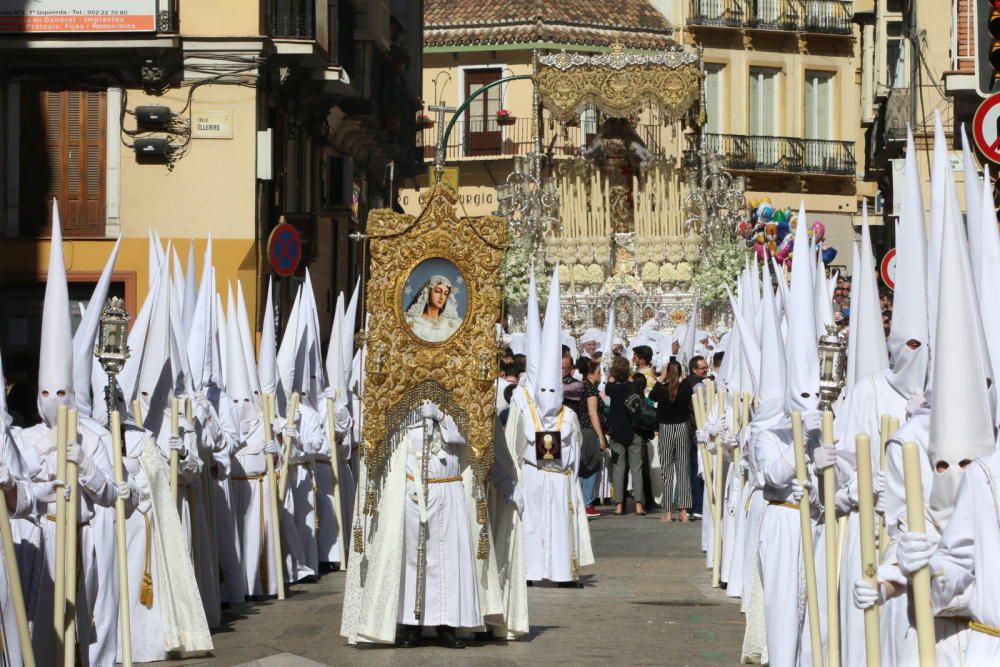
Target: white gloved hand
[
  {"x": 915, "y": 402},
  {"x": 799, "y": 490},
  {"x": 430, "y": 411},
  {"x": 291, "y": 433},
  {"x": 6, "y": 479},
  {"x": 271, "y": 447},
  {"x": 824, "y": 457},
  {"x": 122, "y": 490},
  {"x": 84, "y": 464},
  {"x": 729, "y": 439},
  {"x": 175, "y": 443},
  {"x": 715, "y": 427},
  {"x": 812, "y": 421},
  {"x": 913, "y": 552},
  {"x": 701, "y": 435},
  {"x": 878, "y": 487},
  {"x": 866, "y": 595},
  {"x": 46, "y": 491}
]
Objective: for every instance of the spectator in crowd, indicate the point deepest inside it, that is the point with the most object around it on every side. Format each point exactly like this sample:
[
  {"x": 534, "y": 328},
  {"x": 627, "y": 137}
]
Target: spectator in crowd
[
  {"x": 592, "y": 427},
  {"x": 642, "y": 358},
  {"x": 673, "y": 411},
  {"x": 626, "y": 445},
  {"x": 697, "y": 373}
]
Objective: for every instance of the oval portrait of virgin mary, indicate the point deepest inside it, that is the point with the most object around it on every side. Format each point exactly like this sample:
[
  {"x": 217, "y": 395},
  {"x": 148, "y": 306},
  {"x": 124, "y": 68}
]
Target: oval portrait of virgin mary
[{"x": 434, "y": 300}]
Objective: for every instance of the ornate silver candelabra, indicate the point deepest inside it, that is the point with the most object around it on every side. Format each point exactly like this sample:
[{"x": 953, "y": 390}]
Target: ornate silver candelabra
[
  {"x": 715, "y": 200},
  {"x": 111, "y": 347}
]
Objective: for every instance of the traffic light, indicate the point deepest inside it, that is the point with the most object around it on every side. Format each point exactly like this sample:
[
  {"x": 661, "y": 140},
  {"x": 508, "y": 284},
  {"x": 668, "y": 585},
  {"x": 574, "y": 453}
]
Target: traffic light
[{"x": 988, "y": 46}]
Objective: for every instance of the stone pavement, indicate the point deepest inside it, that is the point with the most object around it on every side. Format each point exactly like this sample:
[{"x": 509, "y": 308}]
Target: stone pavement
[{"x": 647, "y": 601}]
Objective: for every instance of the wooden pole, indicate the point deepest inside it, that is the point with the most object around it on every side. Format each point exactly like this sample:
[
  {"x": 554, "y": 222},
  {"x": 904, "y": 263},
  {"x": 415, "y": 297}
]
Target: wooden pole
[
  {"x": 830, "y": 543},
  {"x": 293, "y": 409},
  {"x": 272, "y": 487},
  {"x": 921, "y": 579},
  {"x": 869, "y": 562},
  {"x": 808, "y": 556},
  {"x": 14, "y": 578},
  {"x": 175, "y": 432},
  {"x": 137, "y": 413},
  {"x": 891, "y": 425},
  {"x": 72, "y": 543},
  {"x": 121, "y": 551},
  {"x": 718, "y": 482},
  {"x": 59, "y": 611},
  {"x": 706, "y": 464},
  {"x": 335, "y": 471}
]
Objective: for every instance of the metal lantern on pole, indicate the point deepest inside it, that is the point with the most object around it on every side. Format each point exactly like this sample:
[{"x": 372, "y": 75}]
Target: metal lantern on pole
[
  {"x": 715, "y": 200},
  {"x": 832, "y": 366},
  {"x": 111, "y": 348}
]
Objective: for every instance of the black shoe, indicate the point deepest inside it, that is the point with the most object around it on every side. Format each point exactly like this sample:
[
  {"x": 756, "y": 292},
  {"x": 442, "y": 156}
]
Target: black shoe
[
  {"x": 410, "y": 636},
  {"x": 447, "y": 638},
  {"x": 569, "y": 584}
]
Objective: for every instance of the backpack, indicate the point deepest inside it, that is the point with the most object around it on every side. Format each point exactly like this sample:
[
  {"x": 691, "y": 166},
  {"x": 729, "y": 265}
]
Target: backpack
[{"x": 643, "y": 415}]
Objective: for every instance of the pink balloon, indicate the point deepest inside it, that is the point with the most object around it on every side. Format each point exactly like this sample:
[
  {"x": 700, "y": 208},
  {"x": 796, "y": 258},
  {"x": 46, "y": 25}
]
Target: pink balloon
[
  {"x": 819, "y": 231},
  {"x": 759, "y": 249}
]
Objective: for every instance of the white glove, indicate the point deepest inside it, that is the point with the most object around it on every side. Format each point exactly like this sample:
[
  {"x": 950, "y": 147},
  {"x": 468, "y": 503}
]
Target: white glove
[
  {"x": 915, "y": 402},
  {"x": 271, "y": 447},
  {"x": 866, "y": 595},
  {"x": 85, "y": 464},
  {"x": 799, "y": 490},
  {"x": 123, "y": 490},
  {"x": 716, "y": 426},
  {"x": 701, "y": 435},
  {"x": 46, "y": 491},
  {"x": 812, "y": 421},
  {"x": 430, "y": 411},
  {"x": 878, "y": 487},
  {"x": 824, "y": 457},
  {"x": 729, "y": 439},
  {"x": 291, "y": 433},
  {"x": 176, "y": 444},
  {"x": 913, "y": 552}
]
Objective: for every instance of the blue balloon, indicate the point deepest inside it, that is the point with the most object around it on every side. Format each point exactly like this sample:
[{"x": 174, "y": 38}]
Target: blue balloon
[
  {"x": 829, "y": 254},
  {"x": 783, "y": 229}
]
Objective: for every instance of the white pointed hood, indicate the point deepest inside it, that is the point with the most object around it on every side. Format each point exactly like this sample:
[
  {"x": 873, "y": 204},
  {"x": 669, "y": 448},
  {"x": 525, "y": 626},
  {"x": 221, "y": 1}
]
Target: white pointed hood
[
  {"x": 942, "y": 190},
  {"x": 866, "y": 313},
  {"x": 961, "y": 422},
  {"x": 154, "y": 379},
  {"x": 548, "y": 389},
  {"x": 86, "y": 336},
  {"x": 532, "y": 333},
  {"x": 909, "y": 367},
  {"x": 200, "y": 329},
  {"x": 802, "y": 360},
  {"x": 288, "y": 349},
  {"x": 190, "y": 289},
  {"x": 821, "y": 296},
  {"x": 990, "y": 271},
  {"x": 973, "y": 195},
  {"x": 773, "y": 374},
  {"x": 347, "y": 328},
  {"x": 238, "y": 383},
  {"x": 267, "y": 364},
  {"x": 608, "y": 345},
  {"x": 246, "y": 338},
  {"x": 55, "y": 364},
  {"x": 334, "y": 355},
  {"x": 750, "y": 351},
  {"x": 219, "y": 361},
  {"x": 687, "y": 351}
]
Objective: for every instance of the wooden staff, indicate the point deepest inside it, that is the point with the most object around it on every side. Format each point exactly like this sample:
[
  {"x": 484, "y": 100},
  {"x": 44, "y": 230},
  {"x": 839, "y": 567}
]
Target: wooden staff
[
  {"x": 59, "y": 612},
  {"x": 808, "y": 557},
  {"x": 137, "y": 413},
  {"x": 272, "y": 487},
  {"x": 14, "y": 576},
  {"x": 718, "y": 480},
  {"x": 335, "y": 471},
  {"x": 192, "y": 496},
  {"x": 830, "y": 542},
  {"x": 121, "y": 552},
  {"x": 175, "y": 432},
  {"x": 72, "y": 529},
  {"x": 890, "y": 428},
  {"x": 866, "y": 524},
  {"x": 921, "y": 579},
  {"x": 293, "y": 409},
  {"x": 706, "y": 465}
]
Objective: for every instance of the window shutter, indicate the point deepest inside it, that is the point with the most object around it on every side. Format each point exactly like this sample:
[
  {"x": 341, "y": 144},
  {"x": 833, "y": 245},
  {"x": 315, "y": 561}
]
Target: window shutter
[{"x": 63, "y": 157}]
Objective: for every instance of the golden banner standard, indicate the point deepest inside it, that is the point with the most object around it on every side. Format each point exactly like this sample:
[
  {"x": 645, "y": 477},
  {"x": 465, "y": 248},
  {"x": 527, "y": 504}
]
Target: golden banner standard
[
  {"x": 619, "y": 84},
  {"x": 434, "y": 298}
]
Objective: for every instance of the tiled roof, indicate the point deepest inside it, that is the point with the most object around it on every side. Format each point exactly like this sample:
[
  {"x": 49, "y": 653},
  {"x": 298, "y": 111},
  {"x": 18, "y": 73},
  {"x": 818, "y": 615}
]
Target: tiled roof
[{"x": 634, "y": 23}]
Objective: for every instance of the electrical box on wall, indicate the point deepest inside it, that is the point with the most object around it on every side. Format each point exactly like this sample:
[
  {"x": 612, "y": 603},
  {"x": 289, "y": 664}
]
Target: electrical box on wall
[
  {"x": 152, "y": 117},
  {"x": 151, "y": 148}
]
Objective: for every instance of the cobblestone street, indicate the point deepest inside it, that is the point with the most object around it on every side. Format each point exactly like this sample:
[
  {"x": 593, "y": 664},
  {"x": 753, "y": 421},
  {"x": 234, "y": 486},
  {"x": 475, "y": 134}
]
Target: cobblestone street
[{"x": 647, "y": 601}]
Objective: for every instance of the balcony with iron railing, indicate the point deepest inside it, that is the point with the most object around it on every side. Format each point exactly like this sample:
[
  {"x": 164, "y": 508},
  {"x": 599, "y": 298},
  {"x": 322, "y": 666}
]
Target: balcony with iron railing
[
  {"x": 293, "y": 19},
  {"x": 476, "y": 139},
  {"x": 783, "y": 154},
  {"x": 832, "y": 17}
]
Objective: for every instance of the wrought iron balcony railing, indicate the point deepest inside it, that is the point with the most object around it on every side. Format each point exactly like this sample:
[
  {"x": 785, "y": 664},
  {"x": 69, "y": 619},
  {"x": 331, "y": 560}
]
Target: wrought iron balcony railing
[
  {"x": 293, "y": 19},
  {"x": 812, "y": 16},
  {"x": 784, "y": 154}
]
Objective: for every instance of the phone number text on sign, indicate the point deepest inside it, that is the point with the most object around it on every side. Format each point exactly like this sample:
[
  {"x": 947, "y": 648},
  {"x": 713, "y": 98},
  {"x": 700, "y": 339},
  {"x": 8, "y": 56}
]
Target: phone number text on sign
[{"x": 78, "y": 16}]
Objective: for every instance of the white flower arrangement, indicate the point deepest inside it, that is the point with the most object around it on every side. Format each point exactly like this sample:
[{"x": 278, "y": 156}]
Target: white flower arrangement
[
  {"x": 720, "y": 264},
  {"x": 650, "y": 272}
]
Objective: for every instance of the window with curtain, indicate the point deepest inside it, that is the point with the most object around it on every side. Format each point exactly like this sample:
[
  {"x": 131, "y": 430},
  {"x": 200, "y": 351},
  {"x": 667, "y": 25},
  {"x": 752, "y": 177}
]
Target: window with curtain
[
  {"x": 713, "y": 98},
  {"x": 483, "y": 136},
  {"x": 764, "y": 101},
  {"x": 895, "y": 55},
  {"x": 819, "y": 105}
]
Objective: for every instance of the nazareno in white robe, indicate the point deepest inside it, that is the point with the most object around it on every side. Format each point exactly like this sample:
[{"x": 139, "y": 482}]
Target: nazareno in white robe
[
  {"x": 232, "y": 587},
  {"x": 331, "y": 535},
  {"x": 12, "y": 650},
  {"x": 556, "y": 534},
  {"x": 374, "y": 583}
]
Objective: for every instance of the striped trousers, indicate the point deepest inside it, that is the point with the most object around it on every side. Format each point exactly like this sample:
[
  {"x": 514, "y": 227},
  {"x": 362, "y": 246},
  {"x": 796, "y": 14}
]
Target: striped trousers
[{"x": 674, "y": 453}]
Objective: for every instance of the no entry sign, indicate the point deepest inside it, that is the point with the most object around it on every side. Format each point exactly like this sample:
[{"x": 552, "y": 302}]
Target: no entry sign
[
  {"x": 888, "y": 269},
  {"x": 284, "y": 249},
  {"x": 986, "y": 128}
]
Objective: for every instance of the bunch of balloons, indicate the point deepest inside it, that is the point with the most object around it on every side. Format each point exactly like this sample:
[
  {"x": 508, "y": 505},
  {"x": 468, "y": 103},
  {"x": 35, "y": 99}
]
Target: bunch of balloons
[{"x": 770, "y": 231}]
